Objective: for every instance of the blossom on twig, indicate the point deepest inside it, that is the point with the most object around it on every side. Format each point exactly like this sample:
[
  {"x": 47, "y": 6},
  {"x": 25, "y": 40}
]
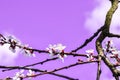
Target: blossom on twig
[
  {"x": 62, "y": 56},
  {"x": 116, "y": 56},
  {"x": 89, "y": 54},
  {"x": 27, "y": 51},
  {"x": 31, "y": 73},
  {"x": 111, "y": 52},
  {"x": 54, "y": 49},
  {"x": 2, "y": 39},
  {"x": 109, "y": 47},
  {"x": 19, "y": 75},
  {"x": 57, "y": 50},
  {"x": 12, "y": 41}
]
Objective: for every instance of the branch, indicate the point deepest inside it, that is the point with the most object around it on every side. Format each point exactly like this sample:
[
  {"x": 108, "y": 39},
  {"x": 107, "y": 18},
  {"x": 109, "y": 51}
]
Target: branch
[
  {"x": 113, "y": 35},
  {"x": 37, "y": 50},
  {"x": 104, "y": 34},
  {"x": 80, "y": 55},
  {"x": 66, "y": 67},
  {"x": 42, "y": 62},
  {"x": 88, "y": 40},
  {"x": 37, "y": 70},
  {"x": 72, "y": 65},
  {"x": 116, "y": 77},
  {"x": 99, "y": 68}
]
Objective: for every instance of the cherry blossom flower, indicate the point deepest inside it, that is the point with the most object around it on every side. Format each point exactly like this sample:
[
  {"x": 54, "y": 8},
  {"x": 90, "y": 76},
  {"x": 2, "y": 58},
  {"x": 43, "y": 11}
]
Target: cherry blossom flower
[
  {"x": 12, "y": 38},
  {"x": 51, "y": 49},
  {"x": 57, "y": 50},
  {"x": 2, "y": 40},
  {"x": 62, "y": 56},
  {"x": 90, "y": 51},
  {"x": 27, "y": 51},
  {"x": 89, "y": 54},
  {"x": 31, "y": 73},
  {"x": 109, "y": 47},
  {"x": 111, "y": 52},
  {"x": 116, "y": 56},
  {"x": 19, "y": 75},
  {"x": 13, "y": 41}
]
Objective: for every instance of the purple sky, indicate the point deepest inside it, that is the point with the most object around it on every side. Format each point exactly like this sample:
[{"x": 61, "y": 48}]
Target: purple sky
[{"x": 43, "y": 22}]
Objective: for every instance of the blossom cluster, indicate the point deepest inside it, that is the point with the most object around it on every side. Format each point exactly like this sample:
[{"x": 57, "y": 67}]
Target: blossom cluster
[
  {"x": 112, "y": 53},
  {"x": 89, "y": 54},
  {"x": 14, "y": 43},
  {"x": 58, "y": 50},
  {"x": 20, "y": 75},
  {"x": 109, "y": 47}
]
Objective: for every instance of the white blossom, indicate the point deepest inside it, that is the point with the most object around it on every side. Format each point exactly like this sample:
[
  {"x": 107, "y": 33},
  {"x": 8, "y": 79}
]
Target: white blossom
[
  {"x": 12, "y": 38},
  {"x": 52, "y": 49},
  {"x": 27, "y": 51},
  {"x": 89, "y": 54},
  {"x": 18, "y": 75},
  {"x": 109, "y": 47},
  {"x": 12, "y": 41},
  {"x": 12, "y": 49},
  {"x": 111, "y": 52},
  {"x": 62, "y": 57},
  {"x": 57, "y": 49},
  {"x": 31, "y": 73},
  {"x": 90, "y": 51}
]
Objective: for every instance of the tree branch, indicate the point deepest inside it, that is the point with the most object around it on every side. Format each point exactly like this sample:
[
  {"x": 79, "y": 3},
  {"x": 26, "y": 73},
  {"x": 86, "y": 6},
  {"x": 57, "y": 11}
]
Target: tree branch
[
  {"x": 42, "y": 62},
  {"x": 113, "y": 35},
  {"x": 66, "y": 67},
  {"x": 99, "y": 68},
  {"x": 104, "y": 34},
  {"x": 88, "y": 40},
  {"x": 37, "y": 70}
]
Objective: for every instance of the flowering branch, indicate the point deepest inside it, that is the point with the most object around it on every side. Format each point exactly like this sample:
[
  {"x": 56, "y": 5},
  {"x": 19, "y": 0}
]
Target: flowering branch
[
  {"x": 36, "y": 70},
  {"x": 67, "y": 67},
  {"x": 106, "y": 54},
  {"x": 104, "y": 34}
]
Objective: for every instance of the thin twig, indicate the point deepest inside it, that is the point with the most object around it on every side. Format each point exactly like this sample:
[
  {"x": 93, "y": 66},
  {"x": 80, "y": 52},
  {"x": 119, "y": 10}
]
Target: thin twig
[
  {"x": 37, "y": 70},
  {"x": 67, "y": 67},
  {"x": 88, "y": 40},
  {"x": 42, "y": 62}
]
